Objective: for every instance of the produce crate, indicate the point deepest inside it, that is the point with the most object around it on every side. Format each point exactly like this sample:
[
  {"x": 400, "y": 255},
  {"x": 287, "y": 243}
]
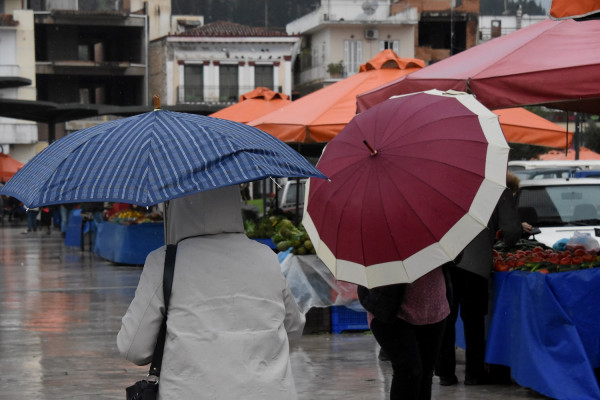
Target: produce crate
[
  {"x": 345, "y": 319},
  {"x": 318, "y": 320}
]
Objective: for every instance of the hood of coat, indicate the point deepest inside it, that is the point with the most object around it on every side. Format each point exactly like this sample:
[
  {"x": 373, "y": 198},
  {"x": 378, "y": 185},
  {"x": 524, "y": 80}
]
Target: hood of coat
[{"x": 205, "y": 213}]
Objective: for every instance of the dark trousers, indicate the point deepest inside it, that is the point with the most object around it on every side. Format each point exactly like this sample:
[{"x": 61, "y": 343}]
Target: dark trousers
[
  {"x": 412, "y": 349},
  {"x": 470, "y": 293}
]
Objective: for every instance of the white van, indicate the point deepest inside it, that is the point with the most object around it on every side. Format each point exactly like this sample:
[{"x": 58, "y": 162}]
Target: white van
[
  {"x": 517, "y": 165},
  {"x": 288, "y": 195},
  {"x": 560, "y": 207}
]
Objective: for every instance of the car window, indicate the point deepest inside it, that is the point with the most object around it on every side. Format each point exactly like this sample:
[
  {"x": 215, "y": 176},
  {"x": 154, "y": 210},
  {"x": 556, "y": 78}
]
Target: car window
[
  {"x": 557, "y": 205},
  {"x": 552, "y": 174},
  {"x": 290, "y": 198}
]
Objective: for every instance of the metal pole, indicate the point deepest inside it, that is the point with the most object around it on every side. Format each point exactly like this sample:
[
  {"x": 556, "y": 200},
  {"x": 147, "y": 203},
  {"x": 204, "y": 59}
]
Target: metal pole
[
  {"x": 451, "y": 27},
  {"x": 577, "y": 137},
  {"x": 297, "y": 201},
  {"x": 266, "y": 15},
  {"x": 567, "y": 137}
]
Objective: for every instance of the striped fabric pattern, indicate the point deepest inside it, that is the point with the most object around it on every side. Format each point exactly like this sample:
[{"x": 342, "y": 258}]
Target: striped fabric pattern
[{"x": 153, "y": 157}]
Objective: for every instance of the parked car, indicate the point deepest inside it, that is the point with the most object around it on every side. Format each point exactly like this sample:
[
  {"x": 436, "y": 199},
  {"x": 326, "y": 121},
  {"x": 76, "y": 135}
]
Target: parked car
[
  {"x": 588, "y": 173},
  {"x": 286, "y": 196},
  {"x": 560, "y": 207},
  {"x": 545, "y": 173},
  {"x": 515, "y": 165}
]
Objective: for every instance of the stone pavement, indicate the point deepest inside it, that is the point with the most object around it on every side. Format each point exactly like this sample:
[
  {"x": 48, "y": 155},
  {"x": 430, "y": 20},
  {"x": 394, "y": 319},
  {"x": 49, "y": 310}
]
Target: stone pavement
[{"x": 61, "y": 309}]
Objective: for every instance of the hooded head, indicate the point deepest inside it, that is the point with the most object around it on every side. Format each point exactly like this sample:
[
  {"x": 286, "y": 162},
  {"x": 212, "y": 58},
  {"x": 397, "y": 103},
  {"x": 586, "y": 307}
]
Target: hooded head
[{"x": 205, "y": 213}]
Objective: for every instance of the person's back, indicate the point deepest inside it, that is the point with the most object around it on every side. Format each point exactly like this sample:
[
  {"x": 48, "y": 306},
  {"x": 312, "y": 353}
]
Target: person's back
[{"x": 229, "y": 317}]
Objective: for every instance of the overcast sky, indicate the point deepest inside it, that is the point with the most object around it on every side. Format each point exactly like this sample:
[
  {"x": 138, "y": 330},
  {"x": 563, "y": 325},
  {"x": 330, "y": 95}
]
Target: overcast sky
[{"x": 545, "y": 3}]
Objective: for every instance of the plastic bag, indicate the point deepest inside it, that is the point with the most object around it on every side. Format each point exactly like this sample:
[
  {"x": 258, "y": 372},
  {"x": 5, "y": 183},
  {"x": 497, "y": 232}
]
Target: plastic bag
[{"x": 583, "y": 240}]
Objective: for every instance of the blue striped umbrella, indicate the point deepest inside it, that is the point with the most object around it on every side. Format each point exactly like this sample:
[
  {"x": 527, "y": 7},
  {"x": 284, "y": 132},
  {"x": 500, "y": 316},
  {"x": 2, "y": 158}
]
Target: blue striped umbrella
[{"x": 153, "y": 157}]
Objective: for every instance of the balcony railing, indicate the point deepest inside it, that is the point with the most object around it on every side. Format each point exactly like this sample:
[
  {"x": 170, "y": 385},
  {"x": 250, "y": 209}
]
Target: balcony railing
[
  {"x": 9, "y": 70},
  {"x": 211, "y": 94}
]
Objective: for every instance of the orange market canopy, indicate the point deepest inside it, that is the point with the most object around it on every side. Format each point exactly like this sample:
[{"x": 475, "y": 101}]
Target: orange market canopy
[
  {"x": 563, "y": 9},
  {"x": 253, "y": 104},
  {"x": 8, "y": 167},
  {"x": 319, "y": 116},
  {"x": 584, "y": 154},
  {"x": 522, "y": 126}
]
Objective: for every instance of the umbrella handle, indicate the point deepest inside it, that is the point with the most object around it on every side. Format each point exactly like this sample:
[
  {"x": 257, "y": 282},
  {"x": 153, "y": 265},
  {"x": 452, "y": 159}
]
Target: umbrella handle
[{"x": 371, "y": 149}]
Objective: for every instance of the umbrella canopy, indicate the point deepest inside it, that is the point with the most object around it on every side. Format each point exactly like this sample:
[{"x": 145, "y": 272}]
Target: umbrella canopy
[
  {"x": 563, "y": 9},
  {"x": 584, "y": 154},
  {"x": 522, "y": 126},
  {"x": 8, "y": 167},
  {"x": 550, "y": 62},
  {"x": 153, "y": 157},
  {"x": 253, "y": 104},
  {"x": 412, "y": 182},
  {"x": 320, "y": 116}
]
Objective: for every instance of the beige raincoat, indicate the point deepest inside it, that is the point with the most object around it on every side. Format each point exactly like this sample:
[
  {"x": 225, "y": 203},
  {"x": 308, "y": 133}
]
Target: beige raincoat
[{"x": 230, "y": 314}]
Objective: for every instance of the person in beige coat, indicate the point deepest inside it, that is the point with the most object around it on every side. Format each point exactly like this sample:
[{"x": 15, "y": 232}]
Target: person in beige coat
[{"x": 231, "y": 311}]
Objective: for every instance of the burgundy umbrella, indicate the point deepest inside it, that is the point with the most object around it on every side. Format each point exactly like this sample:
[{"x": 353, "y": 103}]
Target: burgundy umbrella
[
  {"x": 555, "y": 63},
  {"x": 412, "y": 181}
]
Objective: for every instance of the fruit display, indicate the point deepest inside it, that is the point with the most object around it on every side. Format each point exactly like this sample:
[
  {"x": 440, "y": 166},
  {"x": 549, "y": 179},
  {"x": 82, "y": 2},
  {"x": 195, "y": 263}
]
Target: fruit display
[
  {"x": 282, "y": 232},
  {"x": 132, "y": 217},
  {"x": 533, "y": 256}
]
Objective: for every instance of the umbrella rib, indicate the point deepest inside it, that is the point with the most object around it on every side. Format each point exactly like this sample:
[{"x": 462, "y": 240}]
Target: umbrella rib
[
  {"x": 344, "y": 207},
  {"x": 413, "y": 209},
  {"x": 412, "y": 133}
]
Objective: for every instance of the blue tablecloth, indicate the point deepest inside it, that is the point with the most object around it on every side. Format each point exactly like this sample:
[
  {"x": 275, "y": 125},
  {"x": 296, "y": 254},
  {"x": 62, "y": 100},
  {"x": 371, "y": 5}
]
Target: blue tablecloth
[
  {"x": 546, "y": 328},
  {"x": 76, "y": 228},
  {"x": 128, "y": 244}
]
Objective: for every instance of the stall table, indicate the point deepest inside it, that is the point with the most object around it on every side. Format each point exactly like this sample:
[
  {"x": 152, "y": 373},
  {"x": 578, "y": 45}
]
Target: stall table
[
  {"x": 546, "y": 328},
  {"x": 128, "y": 244}
]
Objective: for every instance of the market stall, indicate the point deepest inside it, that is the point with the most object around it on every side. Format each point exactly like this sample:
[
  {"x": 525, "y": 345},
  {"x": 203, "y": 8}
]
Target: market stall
[
  {"x": 128, "y": 236},
  {"x": 545, "y": 320},
  {"x": 545, "y": 328}
]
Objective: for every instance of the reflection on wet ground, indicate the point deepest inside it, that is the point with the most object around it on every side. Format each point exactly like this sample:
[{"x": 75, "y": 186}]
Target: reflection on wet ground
[{"x": 61, "y": 309}]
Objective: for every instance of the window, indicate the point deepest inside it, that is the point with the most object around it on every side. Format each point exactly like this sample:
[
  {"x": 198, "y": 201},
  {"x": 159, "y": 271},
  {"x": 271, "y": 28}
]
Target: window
[
  {"x": 228, "y": 78},
  {"x": 83, "y": 52},
  {"x": 193, "y": 83},
  {"x": 393, "y": 45},
  {"x": 352, "y": 56},
  {"x": 263, "y": 76}
]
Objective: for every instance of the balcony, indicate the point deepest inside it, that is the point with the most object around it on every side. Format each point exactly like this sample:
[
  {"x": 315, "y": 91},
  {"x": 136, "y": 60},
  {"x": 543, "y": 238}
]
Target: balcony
[{"x": 228, "y": 94}]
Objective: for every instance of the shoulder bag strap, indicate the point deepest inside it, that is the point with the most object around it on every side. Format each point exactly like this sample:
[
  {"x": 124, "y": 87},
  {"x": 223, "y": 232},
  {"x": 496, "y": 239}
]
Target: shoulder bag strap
[{"x": 167, "y": 284}]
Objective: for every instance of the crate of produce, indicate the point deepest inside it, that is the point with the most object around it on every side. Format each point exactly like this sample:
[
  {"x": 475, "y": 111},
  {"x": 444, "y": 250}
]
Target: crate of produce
[{"x": 346, "y": 319}]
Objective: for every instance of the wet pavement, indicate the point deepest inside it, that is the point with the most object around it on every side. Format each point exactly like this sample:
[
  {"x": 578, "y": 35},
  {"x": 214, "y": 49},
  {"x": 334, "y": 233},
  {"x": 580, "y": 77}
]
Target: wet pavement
[{"x": 61, "y": 309}]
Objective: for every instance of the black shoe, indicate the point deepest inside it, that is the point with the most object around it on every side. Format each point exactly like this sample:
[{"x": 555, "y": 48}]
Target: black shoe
[{"x": 448, "y": 380}]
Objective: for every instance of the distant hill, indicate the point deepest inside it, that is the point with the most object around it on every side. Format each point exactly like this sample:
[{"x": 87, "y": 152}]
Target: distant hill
[{"x": 246, "y": 12}]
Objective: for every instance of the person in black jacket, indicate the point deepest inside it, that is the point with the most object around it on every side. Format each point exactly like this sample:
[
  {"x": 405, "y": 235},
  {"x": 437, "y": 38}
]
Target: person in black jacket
[
  {"x": 470, "y": 282},
  {"x": 407, "y": 321}
]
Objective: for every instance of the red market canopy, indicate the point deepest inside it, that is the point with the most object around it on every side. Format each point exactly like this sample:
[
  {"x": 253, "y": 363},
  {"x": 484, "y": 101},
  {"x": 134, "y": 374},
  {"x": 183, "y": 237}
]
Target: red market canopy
[
  {"x": 554, "y": 63},
  {"x": 321, "y": 115},
  {"x": 8, "y": 167},
  {"x": 253, "y": 104}
]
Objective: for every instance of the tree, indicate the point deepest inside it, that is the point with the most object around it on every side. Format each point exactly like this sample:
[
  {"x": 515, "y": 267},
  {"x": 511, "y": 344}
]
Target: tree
[{"x": 520, "y": 151}]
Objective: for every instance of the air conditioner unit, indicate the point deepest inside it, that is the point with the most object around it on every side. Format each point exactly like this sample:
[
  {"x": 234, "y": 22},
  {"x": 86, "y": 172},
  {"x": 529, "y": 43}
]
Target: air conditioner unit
[{"x": 371, "y": 34}]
